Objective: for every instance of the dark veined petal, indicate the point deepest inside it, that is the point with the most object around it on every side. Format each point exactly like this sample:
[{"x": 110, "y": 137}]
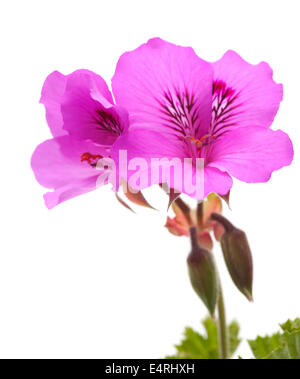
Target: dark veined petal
[
  {"x": 166, "y": 88},
  {"x": 243, "y": 94},
  {"x": 54, "y": 88},
  {"x": 88, "y": 114}
]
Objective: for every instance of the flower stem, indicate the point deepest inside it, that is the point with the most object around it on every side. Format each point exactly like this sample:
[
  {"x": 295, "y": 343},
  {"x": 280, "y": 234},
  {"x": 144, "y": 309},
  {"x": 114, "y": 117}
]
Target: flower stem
[{"x": 223, "y": 332}]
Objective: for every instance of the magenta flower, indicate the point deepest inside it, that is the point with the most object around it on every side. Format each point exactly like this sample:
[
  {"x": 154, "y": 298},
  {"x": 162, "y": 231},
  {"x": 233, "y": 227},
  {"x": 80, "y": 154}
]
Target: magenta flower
[
  {"x": 85, "y": 124},
  {"x": 183, "y": 107}
]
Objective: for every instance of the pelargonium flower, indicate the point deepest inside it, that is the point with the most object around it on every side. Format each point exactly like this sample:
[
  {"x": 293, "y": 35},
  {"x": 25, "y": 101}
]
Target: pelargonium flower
[
  {"x": 181, "y": 106},
  {"x": 85, "y": 123}
]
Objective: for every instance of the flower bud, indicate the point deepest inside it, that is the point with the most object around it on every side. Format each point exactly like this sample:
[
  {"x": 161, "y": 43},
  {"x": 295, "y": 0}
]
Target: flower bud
[
  {"x": 203, "y": 273},
  {"x": 237, "y": 255}
]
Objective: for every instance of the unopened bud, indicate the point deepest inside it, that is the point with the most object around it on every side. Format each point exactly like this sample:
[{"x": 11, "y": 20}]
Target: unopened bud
[
  {"x": 237, "y": 255},
  {"x": 203, "y": 273}
]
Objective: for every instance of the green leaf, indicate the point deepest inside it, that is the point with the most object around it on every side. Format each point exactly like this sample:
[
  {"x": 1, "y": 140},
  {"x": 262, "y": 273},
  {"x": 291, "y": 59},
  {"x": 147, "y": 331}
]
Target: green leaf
[
  {"x": 284, "y": 345},
  {"x": 234, "y": 340},
  {"x": 263, "y": 346},
  {"x": 291, "y": 326},
  {"x": 197, "y": 346}
]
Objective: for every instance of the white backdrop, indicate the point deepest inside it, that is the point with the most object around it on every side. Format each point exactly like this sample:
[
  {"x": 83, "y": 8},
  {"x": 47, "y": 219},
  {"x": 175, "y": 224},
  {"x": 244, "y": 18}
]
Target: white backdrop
[{"x": 88, "y": 278}]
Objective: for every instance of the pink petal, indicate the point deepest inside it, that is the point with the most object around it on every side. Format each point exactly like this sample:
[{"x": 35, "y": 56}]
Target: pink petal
[
  {"x": 244, "y": 94},
  {"x": 69, "y": 191},
  {"x": 210, "y": 180},
  {"x": 87, "y": 114},
  {"x": 82, "y": 93},
  {"x": 251, "y": 154},
  {"x": 145, "y": 145},
  {"x": 52, "y": 92},
  {"x": 216, "y": 181},
  {"x": 164, "y": 87},
  {"x": 57, "y": 164}
]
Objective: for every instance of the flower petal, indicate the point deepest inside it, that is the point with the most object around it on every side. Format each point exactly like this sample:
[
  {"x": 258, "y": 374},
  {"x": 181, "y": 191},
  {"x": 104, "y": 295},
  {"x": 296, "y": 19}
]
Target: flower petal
[
  {"x": 165, "y": 87},
  {"x": 211, "y": 180},
  {"x": 243, "y": 94},
  {"x": 146, "y": 143},
  {"x": 81, "y": 93},
  {"x": 57, "y": 164},
  {"x": 155, "y": 152},
  {"x": 69, "y": 191},
  {"x": 87, "y": 114},
  {"x": 216, "y": 181},
  {"x": 251, "y": 154},
  {"x": 146, "y": 152},
  {"x": 52, "y": 92}
]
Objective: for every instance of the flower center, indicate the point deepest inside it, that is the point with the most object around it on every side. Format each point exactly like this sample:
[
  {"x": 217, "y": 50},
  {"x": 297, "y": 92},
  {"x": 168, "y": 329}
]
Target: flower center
[
  {"x": 179, "y": 112},
  {"x": 203, "y": 141},
  {"x": 199, "y": 148},
  {"x": 106, "y": 121},
  {"x": 181, "y": 115}
]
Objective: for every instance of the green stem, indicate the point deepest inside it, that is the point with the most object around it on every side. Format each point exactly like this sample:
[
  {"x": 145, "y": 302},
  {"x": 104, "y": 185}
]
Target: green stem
[{"x": 223, "y": 332}]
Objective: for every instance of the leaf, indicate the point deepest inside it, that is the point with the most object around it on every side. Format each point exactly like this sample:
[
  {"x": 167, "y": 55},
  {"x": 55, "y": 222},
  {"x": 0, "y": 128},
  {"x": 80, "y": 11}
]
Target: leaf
[
  {"x": 291, "y": 346},
  {"x": 263, "y": 346},
  {"x": 290, "y": 340},
  {"x": 284, "y": 345},
  {"x": 234, "y": 340},
  {"x": 197, "y": 346},
  {"x": 291, "y": 326}
]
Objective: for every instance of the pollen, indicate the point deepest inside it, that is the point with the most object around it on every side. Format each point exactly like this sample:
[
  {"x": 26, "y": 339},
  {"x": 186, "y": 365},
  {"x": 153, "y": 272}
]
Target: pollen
[{"x": 205, "y": 140}]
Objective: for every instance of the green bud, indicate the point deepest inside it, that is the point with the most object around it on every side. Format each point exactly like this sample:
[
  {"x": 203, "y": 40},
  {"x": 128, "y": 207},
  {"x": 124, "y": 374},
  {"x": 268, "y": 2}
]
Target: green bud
[
  {"x": 237, "y": 255},
  {"x": 203, "y": 273}
]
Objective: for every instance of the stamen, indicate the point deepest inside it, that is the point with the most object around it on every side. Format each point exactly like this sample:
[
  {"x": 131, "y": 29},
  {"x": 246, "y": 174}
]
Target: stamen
[
  {"x": 203, "y": 141},
  {"x": 180, "y": 113},
  {"x": 91, "y": 159}
]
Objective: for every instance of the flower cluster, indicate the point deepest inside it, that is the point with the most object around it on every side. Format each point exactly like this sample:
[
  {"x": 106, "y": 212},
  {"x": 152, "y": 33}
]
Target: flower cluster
[{"x": 168, "y": 104}]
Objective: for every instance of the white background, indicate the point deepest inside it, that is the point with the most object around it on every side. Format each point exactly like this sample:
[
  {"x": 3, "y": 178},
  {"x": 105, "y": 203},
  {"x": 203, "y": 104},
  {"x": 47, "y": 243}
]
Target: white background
[{"x": 88, "y": 279}]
